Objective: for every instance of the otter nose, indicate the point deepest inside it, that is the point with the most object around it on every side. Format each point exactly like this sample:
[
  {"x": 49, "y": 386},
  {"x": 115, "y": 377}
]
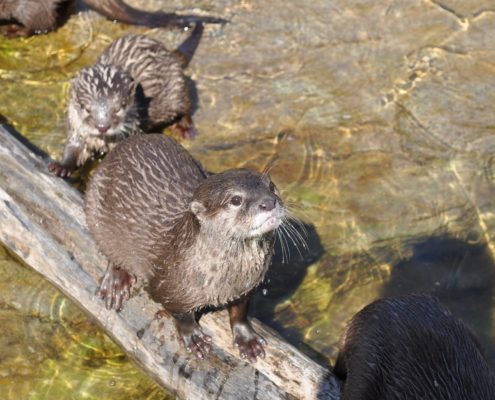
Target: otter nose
[
  {"x": 268, "y": 204},
  {"x": 103, "y": 128}
]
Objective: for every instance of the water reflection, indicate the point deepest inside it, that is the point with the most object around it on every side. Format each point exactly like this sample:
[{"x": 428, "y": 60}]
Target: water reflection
[
  {"x": 461, "y": 274},
  {"x": 49, "y": 349}
]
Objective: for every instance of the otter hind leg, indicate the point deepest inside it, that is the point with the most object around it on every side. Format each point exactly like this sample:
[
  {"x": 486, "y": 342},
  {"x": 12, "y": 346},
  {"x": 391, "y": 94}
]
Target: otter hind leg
[
  {"x": 184, "y": 127},
  {"x": 250, "y": 344},
  {"x": 115, "y": 287}
]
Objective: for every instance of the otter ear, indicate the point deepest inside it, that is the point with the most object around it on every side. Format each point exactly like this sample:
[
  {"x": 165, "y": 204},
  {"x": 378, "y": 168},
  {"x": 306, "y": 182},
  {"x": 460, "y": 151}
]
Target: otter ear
[{"x": 197, "y": 208}]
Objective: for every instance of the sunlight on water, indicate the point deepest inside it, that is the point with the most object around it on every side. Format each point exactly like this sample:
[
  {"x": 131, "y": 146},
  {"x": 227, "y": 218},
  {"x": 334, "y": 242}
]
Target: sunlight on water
[{"x": 49, "y": 349}]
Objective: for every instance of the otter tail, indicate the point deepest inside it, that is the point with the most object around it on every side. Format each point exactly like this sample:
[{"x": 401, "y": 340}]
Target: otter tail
[
  {"x": 187, "y": 48},
  {"x": 122, "y": 12}
]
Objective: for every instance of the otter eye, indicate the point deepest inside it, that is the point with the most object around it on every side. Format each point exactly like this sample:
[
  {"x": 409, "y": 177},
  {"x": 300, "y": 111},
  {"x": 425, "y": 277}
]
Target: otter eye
[
  {"x": 236, "y": 201},
  {"x": 272, "y": 187}
]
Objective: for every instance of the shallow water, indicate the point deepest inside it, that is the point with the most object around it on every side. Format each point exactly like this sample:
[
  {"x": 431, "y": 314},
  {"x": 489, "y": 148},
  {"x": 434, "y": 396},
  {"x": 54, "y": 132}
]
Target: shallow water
[{"x": 377, "y": 121}]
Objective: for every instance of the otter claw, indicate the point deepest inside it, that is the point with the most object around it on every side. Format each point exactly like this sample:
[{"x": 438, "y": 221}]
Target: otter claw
[
  {"x": 198, "y": 343},
  {"x": 249, "y": 343},
  {"x": 58, "y": 170},
  {"x": 115, "y": 287}
]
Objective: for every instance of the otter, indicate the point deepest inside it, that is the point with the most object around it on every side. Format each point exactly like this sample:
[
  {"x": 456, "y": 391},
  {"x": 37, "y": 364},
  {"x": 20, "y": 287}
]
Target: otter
[
  {"x": 196, "y": 240},
  {"x": 412, "y": 347},
  {"x": 136, "y": 85},
  {"x": 28, "y": 17}
]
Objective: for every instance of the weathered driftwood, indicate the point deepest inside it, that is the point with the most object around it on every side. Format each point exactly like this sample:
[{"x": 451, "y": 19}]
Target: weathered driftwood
[{"x": 42, "y": 221}]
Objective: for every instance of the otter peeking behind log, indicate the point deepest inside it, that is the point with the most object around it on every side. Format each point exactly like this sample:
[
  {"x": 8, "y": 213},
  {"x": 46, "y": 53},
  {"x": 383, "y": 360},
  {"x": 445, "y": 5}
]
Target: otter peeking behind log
[
  {"x": 196, "y": 240},
  {"x": 412, "y": 348},
  {"x": 136, "y": 85},
  {"x": 28, "y": 17}
]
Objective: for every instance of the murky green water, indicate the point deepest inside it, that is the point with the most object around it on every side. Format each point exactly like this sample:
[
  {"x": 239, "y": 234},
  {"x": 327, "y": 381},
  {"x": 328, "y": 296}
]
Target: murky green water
[{"x": 378, "y": 118}]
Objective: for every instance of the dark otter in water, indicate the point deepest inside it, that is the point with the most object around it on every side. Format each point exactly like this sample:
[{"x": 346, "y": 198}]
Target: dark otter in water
[
  {"x": 412, "y": 348},
  {"x": 196, "y": 240},
  {"x": 135, "y": 85},
  {"x": 28, "y": 17}
]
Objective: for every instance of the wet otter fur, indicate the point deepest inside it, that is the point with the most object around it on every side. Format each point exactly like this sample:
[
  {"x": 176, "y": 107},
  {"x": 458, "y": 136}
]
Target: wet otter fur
[
  {"x": 196, "y": 240},
  {"x": 135, "y": 86},
  {"x": 28, "y": 17},
  {"x": 412, "y": 348}
]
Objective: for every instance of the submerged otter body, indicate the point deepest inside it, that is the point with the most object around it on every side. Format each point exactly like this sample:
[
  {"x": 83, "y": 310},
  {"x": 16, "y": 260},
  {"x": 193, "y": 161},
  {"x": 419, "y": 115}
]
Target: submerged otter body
[
  {"x": 28, "y": 17},
  {"x": 196, "y": 240},
  {"x": 412, "y": 348},
  {"x": 135, "y": 85}
]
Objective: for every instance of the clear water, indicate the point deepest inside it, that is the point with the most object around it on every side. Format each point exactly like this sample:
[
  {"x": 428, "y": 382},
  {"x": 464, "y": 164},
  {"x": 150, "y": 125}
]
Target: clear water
[{"x": 377, "y": 119}]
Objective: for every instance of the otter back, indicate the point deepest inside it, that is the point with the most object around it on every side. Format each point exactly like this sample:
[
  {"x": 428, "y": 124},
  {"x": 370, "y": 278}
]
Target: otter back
[
  {"x": 126, "y": 217},
  {"x": 159, "y": 73},
  {"x": 412, "y": 348}
]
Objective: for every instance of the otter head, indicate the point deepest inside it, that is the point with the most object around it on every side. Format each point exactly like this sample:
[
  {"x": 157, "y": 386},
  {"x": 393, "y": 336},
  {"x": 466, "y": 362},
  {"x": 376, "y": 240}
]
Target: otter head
[
  {"x": 240, "y": 203},
  {"x": 104, "y": 100}
]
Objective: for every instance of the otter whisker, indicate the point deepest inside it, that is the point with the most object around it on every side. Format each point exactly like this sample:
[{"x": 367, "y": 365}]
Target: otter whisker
[
  {"x": 288, "y": 235},
  {"x": 283, "y": 246},
  {"x": 268, "y": 168},
  {"x": 293, "y": 208},
  {"x": 290, "y": 217},
  {"x": 286, "y": 244},
  {"x": 292, "y": 222},
  {"x": 297, "y": 235}
]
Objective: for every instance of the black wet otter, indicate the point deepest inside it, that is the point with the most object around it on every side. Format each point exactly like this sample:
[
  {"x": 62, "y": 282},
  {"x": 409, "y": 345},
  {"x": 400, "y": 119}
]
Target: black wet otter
[
  {"x": 196, "y": 240},
  {"x": 412, "y": 348},
  {"x": 27, "y": 17},
  {"x": 135, "y": 85}
]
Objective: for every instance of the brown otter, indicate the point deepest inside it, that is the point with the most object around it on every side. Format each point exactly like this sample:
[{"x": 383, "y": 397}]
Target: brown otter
[
  {"x": 196, "y": 240},
  {"x": 135, "y": 85},
  {"x": 412, "y": 348},
  {"x": 28, "y": 17}
]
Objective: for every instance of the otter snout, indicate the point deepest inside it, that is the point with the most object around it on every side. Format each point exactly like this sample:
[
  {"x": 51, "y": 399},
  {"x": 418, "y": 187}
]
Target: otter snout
[
  {"x": 268, "y": 217},
  {"x": 103, "y": 128},
  {"x": 268, "y": 204},
  {"x": 102, "y": 116}
]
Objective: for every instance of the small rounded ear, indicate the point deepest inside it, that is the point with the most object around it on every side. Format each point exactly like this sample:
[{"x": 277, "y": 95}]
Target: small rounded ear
[{"x": 197, "y": 208}]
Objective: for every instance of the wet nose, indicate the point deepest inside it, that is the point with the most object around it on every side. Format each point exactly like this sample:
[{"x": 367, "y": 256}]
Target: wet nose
[
  {"x": 268, "y": 204},
  {"x": 103, "y": 128}
]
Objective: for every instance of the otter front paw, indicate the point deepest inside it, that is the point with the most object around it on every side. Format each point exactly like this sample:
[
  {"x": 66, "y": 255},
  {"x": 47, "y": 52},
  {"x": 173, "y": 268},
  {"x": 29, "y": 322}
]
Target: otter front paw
[
  {"x": 197, "y": 342},
  {"x": 60, "y": 170},
  {"x": 250, "y": 344},
  {"x": 116, "y": 287}
]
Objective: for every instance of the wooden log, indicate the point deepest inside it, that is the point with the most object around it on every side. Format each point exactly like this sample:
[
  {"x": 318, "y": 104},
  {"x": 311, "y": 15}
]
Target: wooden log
[{"x": 42, "y": 221}]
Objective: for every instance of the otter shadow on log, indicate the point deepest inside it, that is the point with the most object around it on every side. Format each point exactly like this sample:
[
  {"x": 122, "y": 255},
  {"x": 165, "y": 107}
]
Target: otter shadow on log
[
  {"x": 283, "y": 278},
  {"x": 460, "y": 274}
]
